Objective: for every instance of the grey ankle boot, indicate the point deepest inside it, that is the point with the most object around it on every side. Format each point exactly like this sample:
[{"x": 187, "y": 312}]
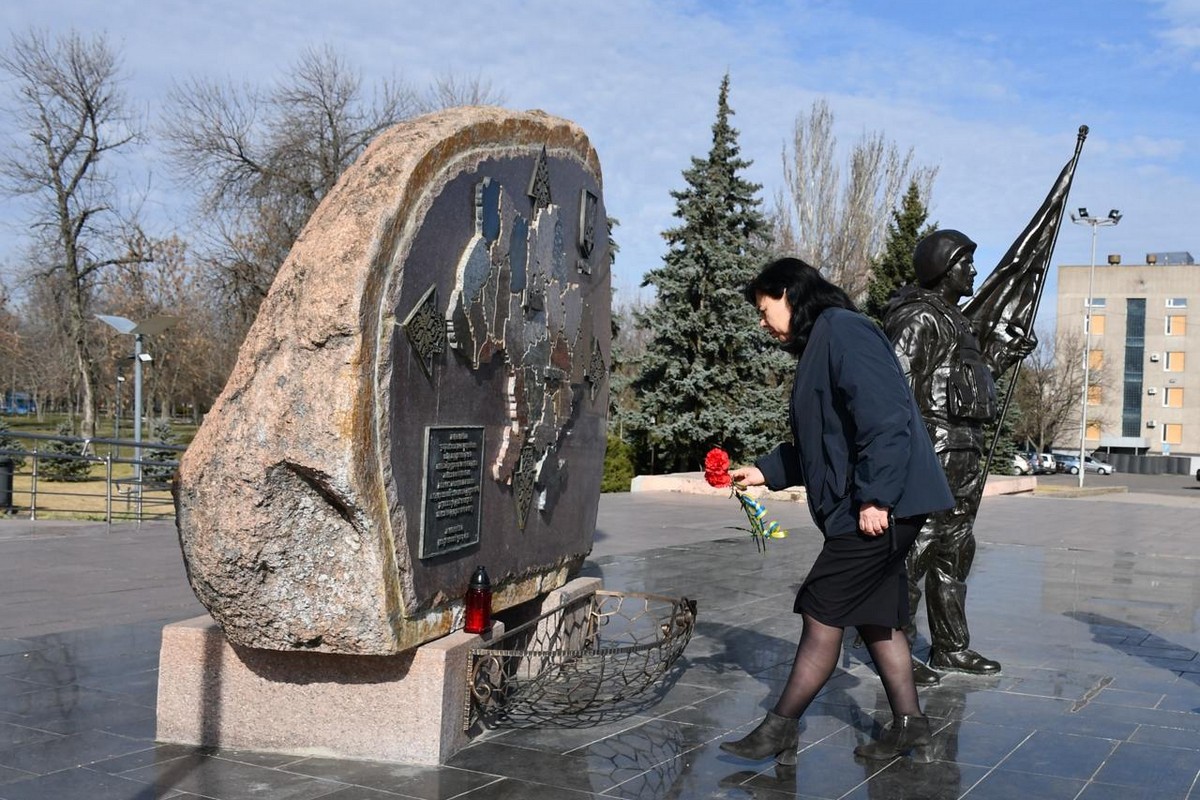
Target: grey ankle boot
[
  {"x": 906, "y": 732},
  {"x": 775, "y": 736}
]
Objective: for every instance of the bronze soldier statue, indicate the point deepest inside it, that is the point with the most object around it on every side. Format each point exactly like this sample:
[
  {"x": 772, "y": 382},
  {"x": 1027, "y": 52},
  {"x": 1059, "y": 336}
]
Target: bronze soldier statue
[{"x": 953, "y": 378}]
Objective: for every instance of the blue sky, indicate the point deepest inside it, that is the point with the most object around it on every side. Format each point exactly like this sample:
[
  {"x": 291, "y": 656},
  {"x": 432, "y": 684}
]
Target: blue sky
[{"x": 989, "y": 92}]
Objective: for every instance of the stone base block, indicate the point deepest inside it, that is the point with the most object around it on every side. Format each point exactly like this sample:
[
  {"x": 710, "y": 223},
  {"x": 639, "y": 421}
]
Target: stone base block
[
  {"x": 406, "y": 707},
  {"x": 694, "y": 483}
]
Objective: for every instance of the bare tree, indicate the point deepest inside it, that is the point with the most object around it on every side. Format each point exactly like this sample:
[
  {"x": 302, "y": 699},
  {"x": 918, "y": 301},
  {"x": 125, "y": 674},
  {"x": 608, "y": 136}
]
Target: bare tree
[
  {"x": 191, "y": 360},
  {"x": 263, "y": 159},
  {"x": 1050, "y": 388},
  {"x": 629, "y": 344},
  {"x": 67, "y": 101},
  {"x": 448, "y": 91},
  {"x": 835, "y": 223},
  {"x": 43, "y": 364},
  {"x": 12, "y": 346}
]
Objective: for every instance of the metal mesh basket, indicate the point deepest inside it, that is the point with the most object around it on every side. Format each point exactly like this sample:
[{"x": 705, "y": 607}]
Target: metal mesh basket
[{"x": 597, "y": 657}]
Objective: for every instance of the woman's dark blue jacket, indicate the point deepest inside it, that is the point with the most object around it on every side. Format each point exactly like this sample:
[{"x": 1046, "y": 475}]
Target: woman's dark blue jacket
[{"x": 857, "y": 432}]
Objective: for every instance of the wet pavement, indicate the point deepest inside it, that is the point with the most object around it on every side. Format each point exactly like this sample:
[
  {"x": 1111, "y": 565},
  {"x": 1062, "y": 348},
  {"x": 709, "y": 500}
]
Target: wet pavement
[{"x": 1091, "y": 604}]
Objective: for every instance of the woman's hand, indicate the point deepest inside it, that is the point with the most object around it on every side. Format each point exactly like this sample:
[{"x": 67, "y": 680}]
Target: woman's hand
[
  {"x": 747, "y": 476},
  {"x": 873, "y": 519}
]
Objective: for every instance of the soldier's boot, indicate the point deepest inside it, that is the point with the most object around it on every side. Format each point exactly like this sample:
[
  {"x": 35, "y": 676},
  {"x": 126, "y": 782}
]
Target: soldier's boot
[{"x": 951, "y": 637}]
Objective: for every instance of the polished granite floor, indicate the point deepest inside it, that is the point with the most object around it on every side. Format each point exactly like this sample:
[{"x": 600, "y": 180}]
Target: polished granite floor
[{"x": 1091, "y": 604}]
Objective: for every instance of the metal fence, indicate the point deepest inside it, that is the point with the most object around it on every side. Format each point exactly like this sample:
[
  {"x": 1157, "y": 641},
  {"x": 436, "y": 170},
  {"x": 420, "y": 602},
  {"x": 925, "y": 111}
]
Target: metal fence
[{"x": 107, "y": 485}]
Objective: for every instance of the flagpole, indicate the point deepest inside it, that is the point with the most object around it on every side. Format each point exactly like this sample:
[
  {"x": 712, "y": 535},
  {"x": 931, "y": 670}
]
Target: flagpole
[{"x": 1037, "y": 302}]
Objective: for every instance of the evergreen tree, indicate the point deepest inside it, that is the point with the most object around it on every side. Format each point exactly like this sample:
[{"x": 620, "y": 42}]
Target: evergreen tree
[
  {"x": 895, "y": 266},
  {"x": 10, "y": 442},
  {"x": 66, "y": 466},
  {"x": 708, "y": 376},
  {"x": 618, "y": 466},
  {"x": 165, "y": 461},
  {"x": 1006, "y": 445}
]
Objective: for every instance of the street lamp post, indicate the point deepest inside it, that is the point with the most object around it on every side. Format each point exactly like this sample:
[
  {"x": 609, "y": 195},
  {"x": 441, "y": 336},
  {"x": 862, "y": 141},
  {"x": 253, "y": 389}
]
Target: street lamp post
[
  {"x": 1084, "y": 218},
  {"x": 156, "y": 324},
  {"x": 117, "y": 412}
]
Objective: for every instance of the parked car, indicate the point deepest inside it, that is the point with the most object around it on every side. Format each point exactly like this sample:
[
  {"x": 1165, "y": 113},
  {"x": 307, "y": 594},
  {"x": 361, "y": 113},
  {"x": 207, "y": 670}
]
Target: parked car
[
  {"x": 1041, "y": 463},
  {"x": 1070, "y": 464},
  {"x": 1096, "y": 465},
  {"x": 1021, "y": 465}
]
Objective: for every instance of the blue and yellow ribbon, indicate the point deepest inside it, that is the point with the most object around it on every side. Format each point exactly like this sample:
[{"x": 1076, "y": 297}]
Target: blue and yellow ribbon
[{"x": 756, "y": 513}]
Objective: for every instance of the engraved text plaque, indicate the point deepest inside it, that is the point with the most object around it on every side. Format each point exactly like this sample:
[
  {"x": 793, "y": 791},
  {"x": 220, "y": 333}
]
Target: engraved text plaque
[{"x": 453, "y": 479}]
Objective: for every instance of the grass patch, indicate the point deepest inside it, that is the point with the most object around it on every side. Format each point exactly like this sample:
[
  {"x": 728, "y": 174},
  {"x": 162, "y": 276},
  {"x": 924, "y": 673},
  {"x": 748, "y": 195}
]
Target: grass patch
[
  {"x": 90, "y": 499},
  {"x": 184, "y": 431}
]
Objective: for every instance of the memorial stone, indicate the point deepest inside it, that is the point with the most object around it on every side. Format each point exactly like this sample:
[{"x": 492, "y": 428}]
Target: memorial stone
[{"x": 424, "y": 391}]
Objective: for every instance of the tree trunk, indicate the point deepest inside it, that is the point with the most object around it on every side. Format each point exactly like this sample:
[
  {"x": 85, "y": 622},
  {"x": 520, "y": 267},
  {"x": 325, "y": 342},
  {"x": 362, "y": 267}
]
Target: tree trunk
[{"x": 83, "y": 366}]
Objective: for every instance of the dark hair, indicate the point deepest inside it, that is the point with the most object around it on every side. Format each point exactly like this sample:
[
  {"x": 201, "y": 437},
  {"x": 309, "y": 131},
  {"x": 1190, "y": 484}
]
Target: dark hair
[{"x": 807, "y": 292}]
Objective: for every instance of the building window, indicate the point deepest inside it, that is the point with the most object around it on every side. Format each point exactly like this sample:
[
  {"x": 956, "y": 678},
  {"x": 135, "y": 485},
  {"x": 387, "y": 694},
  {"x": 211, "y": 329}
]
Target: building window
[
  {"x": 1172, "y": 433},
  {"x": 1176, "y": 324},
  {"x": 1132, "y": 377},
  {"x": 1096, "y": 324},
  {"x": 1173, "y": 397},
  {"x": 1095, "y": 396},
  {"x": 1095, "y": 359},
  {"x": 1093, "y": 430},
  {"x": 1174, "y": 362},
  {"x": 1176, "y": 302},
  {"x": 1097, "y": 302}
]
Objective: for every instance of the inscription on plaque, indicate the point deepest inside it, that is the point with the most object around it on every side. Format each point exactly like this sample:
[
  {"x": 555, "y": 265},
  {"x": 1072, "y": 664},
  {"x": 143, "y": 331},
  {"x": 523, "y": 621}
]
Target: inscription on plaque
[{"x": 453, "y": 480}]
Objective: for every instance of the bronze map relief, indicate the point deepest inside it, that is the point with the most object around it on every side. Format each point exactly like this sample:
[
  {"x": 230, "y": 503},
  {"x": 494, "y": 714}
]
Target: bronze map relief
[{"x": 516, "y": 314}]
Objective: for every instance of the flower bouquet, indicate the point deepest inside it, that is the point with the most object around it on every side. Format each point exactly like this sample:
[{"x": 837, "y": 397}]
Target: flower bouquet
[{"x": 716, "y": 472}]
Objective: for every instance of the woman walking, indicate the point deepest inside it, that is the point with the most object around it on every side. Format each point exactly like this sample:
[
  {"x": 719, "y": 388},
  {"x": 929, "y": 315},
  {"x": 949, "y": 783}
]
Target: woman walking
[{"x": 861, "y": 450}]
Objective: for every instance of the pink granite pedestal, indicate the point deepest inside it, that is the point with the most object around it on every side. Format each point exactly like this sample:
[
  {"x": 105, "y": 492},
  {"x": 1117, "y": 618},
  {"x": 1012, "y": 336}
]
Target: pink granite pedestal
[{"x": 406, "y": 707}]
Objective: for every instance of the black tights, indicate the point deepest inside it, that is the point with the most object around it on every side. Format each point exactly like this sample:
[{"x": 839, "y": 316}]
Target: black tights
[{"x": 817, "y": 655}]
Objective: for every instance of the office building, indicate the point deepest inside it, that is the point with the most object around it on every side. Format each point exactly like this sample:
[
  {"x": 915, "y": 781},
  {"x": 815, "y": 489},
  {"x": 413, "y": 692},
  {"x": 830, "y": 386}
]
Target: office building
[{"x": 1142, "y": 349}]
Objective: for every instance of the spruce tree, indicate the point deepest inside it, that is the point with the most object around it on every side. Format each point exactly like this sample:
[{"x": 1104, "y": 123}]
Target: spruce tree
[
  {"x": 1006, "y": 444},
  {"x": 165, "y": 461},
  {"x": 61, "y": 461},
  {"x": 10, "y": 443},
  {"x": 895, "y": 266},
  {"x": 709, "y": 377}
]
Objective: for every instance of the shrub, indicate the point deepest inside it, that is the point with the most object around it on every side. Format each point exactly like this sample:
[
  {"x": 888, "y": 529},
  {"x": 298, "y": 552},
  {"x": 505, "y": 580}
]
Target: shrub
[
  {"x": 63, "y": 469},
  {"x": 163, "y": 434},
  {"x": 9, "y": 442},
  {"x": 618, "y": 466}
]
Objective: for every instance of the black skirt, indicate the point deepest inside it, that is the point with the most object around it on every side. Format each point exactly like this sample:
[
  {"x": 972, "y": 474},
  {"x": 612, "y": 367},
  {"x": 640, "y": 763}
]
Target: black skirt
[{"x": 861, "y": 580}]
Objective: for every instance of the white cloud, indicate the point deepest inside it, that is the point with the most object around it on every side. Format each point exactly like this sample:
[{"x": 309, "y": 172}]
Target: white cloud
[
  {"x": 1182, "y": 18},
  {"x": 973, "y": 89}
]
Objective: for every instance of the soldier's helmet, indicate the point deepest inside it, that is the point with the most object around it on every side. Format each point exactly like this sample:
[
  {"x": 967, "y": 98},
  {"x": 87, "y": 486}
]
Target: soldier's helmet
[{"x": 937, "y": 252}]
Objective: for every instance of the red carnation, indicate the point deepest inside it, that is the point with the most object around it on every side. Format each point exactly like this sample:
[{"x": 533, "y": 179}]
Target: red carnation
[{"x": 716, "y": 468}]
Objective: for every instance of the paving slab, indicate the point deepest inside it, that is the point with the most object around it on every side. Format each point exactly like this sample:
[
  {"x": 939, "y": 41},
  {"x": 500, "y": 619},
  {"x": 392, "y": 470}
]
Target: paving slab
[{"x": 1091, "y": 603}]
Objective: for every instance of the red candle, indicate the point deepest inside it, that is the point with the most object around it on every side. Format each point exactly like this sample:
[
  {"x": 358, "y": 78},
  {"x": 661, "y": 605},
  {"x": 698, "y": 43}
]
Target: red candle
[{"x": 479, "y": 603}]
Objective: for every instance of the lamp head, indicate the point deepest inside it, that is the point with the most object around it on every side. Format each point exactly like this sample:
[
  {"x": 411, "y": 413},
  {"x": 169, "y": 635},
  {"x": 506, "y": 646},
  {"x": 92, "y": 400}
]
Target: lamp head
[
  {"x": 145, "y": 358},
  {"x": 120, "y": 324},
  {"x": 1115, "y": 216},
  {"x": 1083, "y": 212}
]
